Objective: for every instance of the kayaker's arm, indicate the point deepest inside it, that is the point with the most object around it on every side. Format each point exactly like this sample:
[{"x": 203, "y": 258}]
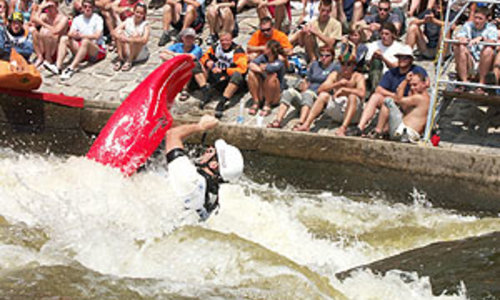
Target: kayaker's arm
[{"x": 175, "y": 136}]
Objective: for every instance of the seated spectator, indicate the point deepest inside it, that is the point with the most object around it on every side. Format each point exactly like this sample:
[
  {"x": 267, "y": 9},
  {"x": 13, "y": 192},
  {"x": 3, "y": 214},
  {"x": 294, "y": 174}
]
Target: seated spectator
[
  {"x": 53, "y": 24},
  {"x": 428, "y": 39},
  {"x": 4, "y": 11},
  {"x": 181, "y": 15},
  {"x": 115, "y": 13},
  {"x": 84, "y": 40},
  {"x": 350, "y": 12},
  {"x": 388, "y": 88},
  {"x": 470, "y": 54},
  {"x": 407, "y": 123},
  {"x": 224, "y": 67},
  {"x": 17, "y": 37},
  {"x": 323, "y": 31},
  {"x": 258, "y": 41},
  {"x": 341, "y": 95},
  {"x": 186, "y": 46},
  {"x": 266, "y": 79},
  {"x": 304, "y": 96},
  {"x": 131, "y": 38},
  {"x": 381, "y": 54},
  {"x": 373, "y": 23},
  {"x": 221, "y": 16}
]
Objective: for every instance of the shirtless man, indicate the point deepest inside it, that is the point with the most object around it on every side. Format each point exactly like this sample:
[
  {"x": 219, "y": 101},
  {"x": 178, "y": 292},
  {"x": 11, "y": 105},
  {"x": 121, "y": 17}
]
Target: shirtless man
[
  {"x": 411, "y": 120},
  {"x": 342, "y": 94},
  {"x": 53, "y": 25}
]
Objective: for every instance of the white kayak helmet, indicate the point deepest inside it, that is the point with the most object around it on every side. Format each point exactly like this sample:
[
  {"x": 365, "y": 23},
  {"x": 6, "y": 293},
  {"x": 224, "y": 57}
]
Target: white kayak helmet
[{"x": 230, "y": 160}]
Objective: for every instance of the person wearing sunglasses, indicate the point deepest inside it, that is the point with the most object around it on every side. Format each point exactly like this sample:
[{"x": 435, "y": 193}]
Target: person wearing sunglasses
[
  {"x": 257, "y": 43},
  {"x": 373, "y": 23},
  {"x": 303, "y": 96},
  {"x": 341, "y": 95},
  {"x": 84, "y": 40},
  {"x": 197, "y": 185}
]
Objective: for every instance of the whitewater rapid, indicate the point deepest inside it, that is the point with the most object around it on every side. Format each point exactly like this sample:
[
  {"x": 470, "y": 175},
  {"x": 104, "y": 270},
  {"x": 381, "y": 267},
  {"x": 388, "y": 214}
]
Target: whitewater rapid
[{"x": 264, "y": 242}]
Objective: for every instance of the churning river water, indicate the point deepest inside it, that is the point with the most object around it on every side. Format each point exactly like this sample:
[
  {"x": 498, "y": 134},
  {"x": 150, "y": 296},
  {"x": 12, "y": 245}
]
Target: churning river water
[{"x": 72, "y": 228}]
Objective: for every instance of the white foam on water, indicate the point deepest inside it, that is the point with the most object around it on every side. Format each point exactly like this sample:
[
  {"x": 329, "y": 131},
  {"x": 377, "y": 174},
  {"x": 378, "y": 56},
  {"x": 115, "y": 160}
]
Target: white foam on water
[
  {"x": 135, "y": 227},
  {"x": 394, "y": 284}
]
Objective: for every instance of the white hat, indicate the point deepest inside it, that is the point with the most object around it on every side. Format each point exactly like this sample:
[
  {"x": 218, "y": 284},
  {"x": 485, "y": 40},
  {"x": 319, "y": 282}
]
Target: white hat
[
  {"x": 230, "y": 160},
  {"x": 188, "y": 32},
  {"x": 405, "y": 50}
]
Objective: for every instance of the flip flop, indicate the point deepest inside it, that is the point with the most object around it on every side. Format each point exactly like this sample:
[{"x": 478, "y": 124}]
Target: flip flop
[
  {"x": 274, "y": 124},
  {"x": 127, "y": 66},
  {"x": 253, "y": 109},
  {"x": 266, "y": 111},
  {"x": 118, "y": 66}
]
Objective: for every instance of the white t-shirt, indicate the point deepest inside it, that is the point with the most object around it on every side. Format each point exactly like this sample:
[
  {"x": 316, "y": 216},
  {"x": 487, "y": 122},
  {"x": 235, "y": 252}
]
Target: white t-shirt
[
  {"x": 131, "y": 29},
  {"x": 387, "y": 52},
  {"x": 88, "y": 26},
  {"x": 187, "y": 183}
]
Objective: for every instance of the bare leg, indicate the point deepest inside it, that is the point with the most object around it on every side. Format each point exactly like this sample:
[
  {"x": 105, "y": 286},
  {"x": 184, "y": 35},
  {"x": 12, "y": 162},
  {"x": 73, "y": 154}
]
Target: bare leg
[
  {"x": 200, "y": 79},
  {"x": 212, "y": 19},
  {"x": 414, "y": 5},
  {"x": 64, "y": 43},
  {"x": 383, "y": 118},
  {"x": 38, "y": 47},
  {"x": 120, "y": 49},
  {"x": 304, "y": 113},
  {"x": 496, "y": 67},
  {"x": 227, "y": 19},
  {"x": 272, "y": 91},
  {"x": 350, "y": 111},
  {"x": 50, "y": 47},
  {"x": 462, "y": 61},
  {"x": 283, "y": 108},
  {"x": 297, "y": 38},
  {"x": 190, "y": 16},
  {"x": 310, "y": 45},
  {"x": 316, "y": 109},
  {"x": 357, "y": 13},
  {"x": 376, "y": 101},
  {"x": 254, "y": 82},
  {"x": 134, "y": 50},
  {"x": 279, "y": 16},
  {"x": 86, "y": 47},
  {"x": 485, "y": 62}
]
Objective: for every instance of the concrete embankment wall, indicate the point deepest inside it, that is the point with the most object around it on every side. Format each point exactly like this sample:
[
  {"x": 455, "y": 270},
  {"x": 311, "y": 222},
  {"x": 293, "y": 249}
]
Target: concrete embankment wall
[{"x": 41, "y": 126}]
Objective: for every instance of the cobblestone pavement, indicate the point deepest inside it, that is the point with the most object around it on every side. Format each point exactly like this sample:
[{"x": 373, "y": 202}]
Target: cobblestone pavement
[{"x": 464, "y": 126}]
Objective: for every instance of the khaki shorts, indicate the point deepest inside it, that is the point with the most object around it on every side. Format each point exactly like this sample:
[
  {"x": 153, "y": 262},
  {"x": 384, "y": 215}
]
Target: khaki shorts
[
  {"x": 293, "y": 97},
  {"x": 336, "y": 109}
]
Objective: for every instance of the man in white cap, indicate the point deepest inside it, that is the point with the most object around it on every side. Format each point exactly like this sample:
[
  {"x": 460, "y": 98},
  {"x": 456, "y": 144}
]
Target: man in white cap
[
  {"x": 198, "y": 184},
  {"x": 387, "y": 88}
]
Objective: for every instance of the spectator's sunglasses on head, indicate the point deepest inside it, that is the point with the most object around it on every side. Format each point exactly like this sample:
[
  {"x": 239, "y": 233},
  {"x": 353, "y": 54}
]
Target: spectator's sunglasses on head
[
  {"x": 141, "y": 4},
  {"x": 384, "y": 8}
]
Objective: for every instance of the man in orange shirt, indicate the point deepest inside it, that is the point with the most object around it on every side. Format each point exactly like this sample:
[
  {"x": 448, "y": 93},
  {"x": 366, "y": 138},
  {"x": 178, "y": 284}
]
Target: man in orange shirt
[{"x": 258, "y": 40}]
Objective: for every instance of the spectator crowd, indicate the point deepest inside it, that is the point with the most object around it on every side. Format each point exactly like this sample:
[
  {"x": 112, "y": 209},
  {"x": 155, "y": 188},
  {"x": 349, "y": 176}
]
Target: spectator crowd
[{"x": 356, "y": 60}]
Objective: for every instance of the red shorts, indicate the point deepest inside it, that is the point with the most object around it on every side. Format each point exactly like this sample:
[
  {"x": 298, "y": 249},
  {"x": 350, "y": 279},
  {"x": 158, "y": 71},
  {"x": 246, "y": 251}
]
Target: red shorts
[{"x": 101, "y": 54}]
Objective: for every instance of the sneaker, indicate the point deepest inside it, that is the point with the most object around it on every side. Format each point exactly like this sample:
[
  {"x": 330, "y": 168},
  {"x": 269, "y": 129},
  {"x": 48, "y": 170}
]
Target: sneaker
[
  {"x": 154, "y": 4},
  {"x": 67, "y": 73},
  {"x": 219, "y": 109},
  {"x": 164, "y": 39},
  {"x": 52, "y": 68}
]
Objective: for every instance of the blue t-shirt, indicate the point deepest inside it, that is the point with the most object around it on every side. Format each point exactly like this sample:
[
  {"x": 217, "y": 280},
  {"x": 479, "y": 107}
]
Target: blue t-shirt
[
  {"x": 317, "y": 74},
  {"x": 276, "y": 66},
  {"x": 392, "y": 78},
  {"x": 179, "y": 48}
]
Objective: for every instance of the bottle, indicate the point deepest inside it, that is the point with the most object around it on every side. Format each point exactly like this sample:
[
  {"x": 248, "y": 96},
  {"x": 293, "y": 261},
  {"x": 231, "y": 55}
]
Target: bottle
[{"x": 240, "y": 118}]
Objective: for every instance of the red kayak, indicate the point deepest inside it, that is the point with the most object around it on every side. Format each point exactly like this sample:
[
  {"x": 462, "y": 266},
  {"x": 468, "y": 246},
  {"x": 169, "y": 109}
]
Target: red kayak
[{"x": 138, "y": 126}]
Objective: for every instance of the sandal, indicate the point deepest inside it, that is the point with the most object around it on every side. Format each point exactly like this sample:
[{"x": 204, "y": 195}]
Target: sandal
[
  {"x": 274, "y": 124},
  {"x": 297, "y": 126},
  {"x": 183, "y": 96},
  {"x": 480, "y": 91},
  {"x": 118, "y": 65},
  {"x": 127, "y": 66},
  {"x": 253, "y": 109},
  {"x": 266, "y": 111}
]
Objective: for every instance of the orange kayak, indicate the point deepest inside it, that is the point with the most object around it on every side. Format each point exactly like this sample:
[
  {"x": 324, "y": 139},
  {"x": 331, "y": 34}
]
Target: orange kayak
[{"x": 17, "y": 74}]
